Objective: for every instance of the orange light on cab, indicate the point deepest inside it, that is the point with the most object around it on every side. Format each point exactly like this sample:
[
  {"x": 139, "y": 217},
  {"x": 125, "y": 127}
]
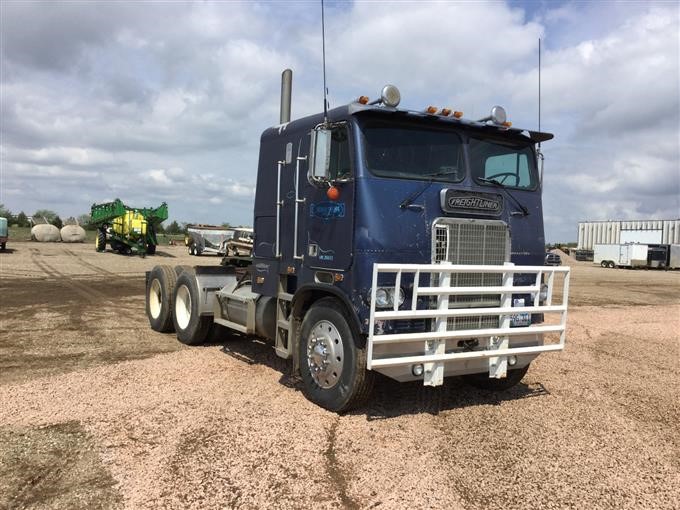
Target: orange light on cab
[
  {"x": 507, "y": 123},
  {"x": 363, "y": 99},
  {"x": 445, "y": 112},
  {"x": 431, "y": 110},
  {"x": 458, "y": 115},
  {"x": 333, "y": 193}
]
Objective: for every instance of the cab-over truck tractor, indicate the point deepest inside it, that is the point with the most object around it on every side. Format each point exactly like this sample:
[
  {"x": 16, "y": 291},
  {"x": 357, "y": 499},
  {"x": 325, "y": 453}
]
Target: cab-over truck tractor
[{"x": 408, "y": 243}]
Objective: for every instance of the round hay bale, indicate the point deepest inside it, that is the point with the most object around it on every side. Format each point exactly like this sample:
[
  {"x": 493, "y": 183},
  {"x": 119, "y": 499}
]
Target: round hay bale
[
  {"x": 72, "y": 234},
  {"x": 45, "y": 233}
]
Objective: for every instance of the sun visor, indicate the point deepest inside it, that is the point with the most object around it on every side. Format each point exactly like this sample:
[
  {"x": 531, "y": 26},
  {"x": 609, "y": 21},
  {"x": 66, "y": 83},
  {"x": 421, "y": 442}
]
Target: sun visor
[{"x": 539, "y": 136}]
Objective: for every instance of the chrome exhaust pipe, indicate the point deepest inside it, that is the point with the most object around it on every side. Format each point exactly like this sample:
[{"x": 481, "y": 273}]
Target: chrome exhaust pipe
[{"x": 286, "y": 93}]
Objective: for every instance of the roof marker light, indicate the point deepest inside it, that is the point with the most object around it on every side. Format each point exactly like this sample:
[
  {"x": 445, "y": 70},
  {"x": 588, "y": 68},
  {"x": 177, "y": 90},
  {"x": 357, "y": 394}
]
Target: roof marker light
[
  {"x": 458, "y": 115},
  {"x": 362, "y": 100},
  {"x": 431, "y": 110},
  {"x": 445, "y": 112}
]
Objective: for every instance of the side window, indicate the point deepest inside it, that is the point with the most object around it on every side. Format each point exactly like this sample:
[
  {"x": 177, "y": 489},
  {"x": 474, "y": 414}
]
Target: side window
[
  {"x": 509, "y": 169},
  {"x": 341, "y": 167}
]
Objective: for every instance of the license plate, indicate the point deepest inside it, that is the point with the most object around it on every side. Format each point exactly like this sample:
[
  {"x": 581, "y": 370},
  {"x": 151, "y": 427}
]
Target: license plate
[{"x": 519, "y": 319}]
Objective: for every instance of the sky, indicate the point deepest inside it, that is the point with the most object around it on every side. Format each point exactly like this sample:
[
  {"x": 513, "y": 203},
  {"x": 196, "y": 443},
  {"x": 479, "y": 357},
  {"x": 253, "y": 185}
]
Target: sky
[{"x": 166, "y": 101}]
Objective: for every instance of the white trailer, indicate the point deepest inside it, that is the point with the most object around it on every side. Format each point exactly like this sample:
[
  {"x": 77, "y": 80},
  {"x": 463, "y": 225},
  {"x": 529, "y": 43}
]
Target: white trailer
[
  {"x": 620, "y": 255},
  {"x": 674, "y": 256}
]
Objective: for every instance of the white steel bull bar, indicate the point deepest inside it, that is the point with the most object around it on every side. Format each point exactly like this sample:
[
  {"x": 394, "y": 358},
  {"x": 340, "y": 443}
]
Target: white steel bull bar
[{"x": 495, "y": 342}]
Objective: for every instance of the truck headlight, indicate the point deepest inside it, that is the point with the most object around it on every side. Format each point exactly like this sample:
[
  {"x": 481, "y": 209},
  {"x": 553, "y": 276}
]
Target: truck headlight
[
  {"x": 402, "y": 297},
  {"x": 384, "y": 297}
]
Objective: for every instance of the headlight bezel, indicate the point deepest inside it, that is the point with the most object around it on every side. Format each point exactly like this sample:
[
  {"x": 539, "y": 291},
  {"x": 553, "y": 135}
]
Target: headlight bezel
[{"x": 384, "y": 297}]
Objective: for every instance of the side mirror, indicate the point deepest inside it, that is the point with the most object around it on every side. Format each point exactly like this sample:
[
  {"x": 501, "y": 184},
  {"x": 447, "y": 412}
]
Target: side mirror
[{"x": 320, "y": 155}]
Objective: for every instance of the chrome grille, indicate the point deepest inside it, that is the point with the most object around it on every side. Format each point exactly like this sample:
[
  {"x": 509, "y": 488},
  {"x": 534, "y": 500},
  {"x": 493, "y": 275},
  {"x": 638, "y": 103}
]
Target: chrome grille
[{"x": 458, "y": 241}]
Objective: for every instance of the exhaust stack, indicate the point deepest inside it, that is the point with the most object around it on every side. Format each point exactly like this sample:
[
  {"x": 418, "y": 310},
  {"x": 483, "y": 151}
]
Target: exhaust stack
[{"x": 286, "y": 92}]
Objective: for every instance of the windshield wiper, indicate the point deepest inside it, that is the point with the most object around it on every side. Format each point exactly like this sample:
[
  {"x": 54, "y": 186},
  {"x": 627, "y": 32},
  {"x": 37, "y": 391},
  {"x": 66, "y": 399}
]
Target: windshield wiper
[
  {"x": 442, "y": 172},
  {"x": 503, "y": 187},
  {"x": 409, "y": 200}
]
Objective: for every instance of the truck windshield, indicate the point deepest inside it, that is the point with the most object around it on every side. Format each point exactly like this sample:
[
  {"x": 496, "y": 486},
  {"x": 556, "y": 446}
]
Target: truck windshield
[
  {"x": 413, "y": 152},
  {"x": 513, "y": 166}
]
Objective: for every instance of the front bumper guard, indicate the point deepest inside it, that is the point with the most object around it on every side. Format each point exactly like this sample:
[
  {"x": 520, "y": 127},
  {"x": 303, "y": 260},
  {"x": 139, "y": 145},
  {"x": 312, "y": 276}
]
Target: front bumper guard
[{"x": 495, "y": 342}]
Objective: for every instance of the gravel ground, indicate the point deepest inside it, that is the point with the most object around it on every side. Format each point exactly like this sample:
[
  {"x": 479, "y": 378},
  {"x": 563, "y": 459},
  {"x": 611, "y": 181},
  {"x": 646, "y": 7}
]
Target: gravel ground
[{"x": 99, "y": 411}]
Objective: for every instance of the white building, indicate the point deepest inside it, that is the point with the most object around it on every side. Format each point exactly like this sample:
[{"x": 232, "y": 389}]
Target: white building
[{"x": 620, "y": 232}]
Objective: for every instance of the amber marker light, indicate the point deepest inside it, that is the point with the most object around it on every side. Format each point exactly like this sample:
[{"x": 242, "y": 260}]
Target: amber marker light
[
  {"x": 458, "y": 115},
  {"x": 333, "y": 193},
  {"x": 363, "y": 100},
  {"x": 431, "y": 110},
  {"x": 507, "y": 123},
  {"x": 445, "y": 112}
]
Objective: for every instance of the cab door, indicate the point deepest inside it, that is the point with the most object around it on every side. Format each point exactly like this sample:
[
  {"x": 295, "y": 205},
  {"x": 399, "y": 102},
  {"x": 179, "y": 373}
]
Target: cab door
[{"x": 328, "y": 227}]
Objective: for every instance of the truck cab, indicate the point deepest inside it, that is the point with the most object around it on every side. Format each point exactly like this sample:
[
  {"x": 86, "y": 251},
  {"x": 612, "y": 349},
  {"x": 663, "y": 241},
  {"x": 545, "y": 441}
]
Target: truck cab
[{"x": 408, "y": 243}]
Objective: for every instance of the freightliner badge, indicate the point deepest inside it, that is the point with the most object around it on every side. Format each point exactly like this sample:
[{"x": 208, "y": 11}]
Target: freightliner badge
[{"x": 458, "y": 201}]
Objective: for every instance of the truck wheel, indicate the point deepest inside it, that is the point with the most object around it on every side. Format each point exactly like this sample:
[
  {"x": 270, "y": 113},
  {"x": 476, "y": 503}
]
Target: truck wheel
[
  {"x": 100, "y": 241},
  {"x": 159, "y": 298},
  {"x": 332, "y": 358},
  {"x": 191, "y": 328},
  {"x": 180, "y": 269},
  {"x": 611, "y": 264},
  {"x": 484, "y": 382},
  {"x": 604, "y": 263}
]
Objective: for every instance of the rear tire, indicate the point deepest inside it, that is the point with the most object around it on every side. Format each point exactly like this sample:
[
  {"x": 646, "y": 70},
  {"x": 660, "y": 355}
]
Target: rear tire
[
  {"x": 180, "y": 269},
  {"x": 484, "y": 382},
  {"x": 191, "y": 328},
  {"x": 333, "y": 358},
  {"x": 604, "y": 263},
  {"x": 100, "y": 241},
  {"x": 611, "y": 264},
  {"x": 159, "y": 298}
]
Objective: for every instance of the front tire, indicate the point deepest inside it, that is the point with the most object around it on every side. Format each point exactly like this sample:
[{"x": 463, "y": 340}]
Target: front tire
[
  {"x": 191, "y": 327},
  {"x": 159, "y": 298},
  {"x": 604, "y": 263},
  {"x": 333, "y": 358},
  {"x": 484, "y": 382}
]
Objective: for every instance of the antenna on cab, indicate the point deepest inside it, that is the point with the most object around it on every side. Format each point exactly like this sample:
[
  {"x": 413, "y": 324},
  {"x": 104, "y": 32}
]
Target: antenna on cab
[
  {"x": 323, "y": 51},
  {"x": 539, "y": 89}
]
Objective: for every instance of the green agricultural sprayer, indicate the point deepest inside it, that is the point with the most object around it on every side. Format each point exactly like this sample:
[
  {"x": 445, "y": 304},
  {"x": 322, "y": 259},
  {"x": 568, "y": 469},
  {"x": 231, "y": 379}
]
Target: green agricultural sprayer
[{"x": 127, "y": 229}]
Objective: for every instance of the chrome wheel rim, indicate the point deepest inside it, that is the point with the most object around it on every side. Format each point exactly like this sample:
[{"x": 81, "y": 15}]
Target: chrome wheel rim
[
  {"x": 155, "y": 299},
  {"x": 183, "y": 306},
  {"x": 325, "y": 354}
]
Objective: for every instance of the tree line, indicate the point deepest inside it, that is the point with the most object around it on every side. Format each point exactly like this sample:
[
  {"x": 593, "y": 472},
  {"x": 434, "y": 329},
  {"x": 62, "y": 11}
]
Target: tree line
[{"x": 21, "y": 219}]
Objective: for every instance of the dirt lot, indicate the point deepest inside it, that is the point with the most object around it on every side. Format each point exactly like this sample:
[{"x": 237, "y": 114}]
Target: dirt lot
[{"x": 99, "y": 411}]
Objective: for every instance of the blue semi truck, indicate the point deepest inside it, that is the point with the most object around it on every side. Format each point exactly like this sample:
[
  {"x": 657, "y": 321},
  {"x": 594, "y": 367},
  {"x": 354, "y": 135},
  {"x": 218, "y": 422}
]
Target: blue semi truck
[{"x": 406, "y": 243}]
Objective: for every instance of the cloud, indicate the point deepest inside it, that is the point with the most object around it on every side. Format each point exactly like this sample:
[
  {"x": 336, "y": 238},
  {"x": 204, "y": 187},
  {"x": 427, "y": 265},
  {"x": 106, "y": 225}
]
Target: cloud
[{"x": 152, "y": 102}]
